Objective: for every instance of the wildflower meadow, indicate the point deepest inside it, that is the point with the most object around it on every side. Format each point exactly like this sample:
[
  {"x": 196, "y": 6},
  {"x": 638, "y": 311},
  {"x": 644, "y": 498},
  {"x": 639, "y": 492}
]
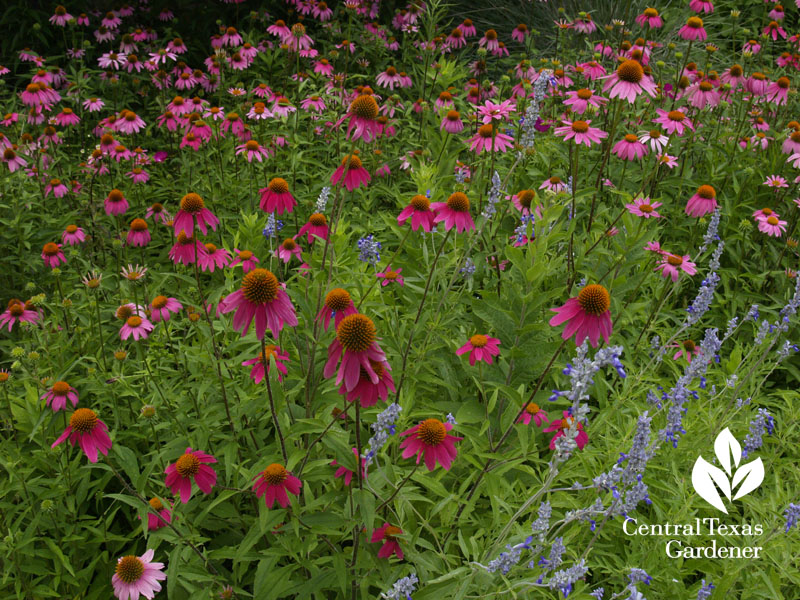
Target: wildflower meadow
[{"x": 361, "y": 299}]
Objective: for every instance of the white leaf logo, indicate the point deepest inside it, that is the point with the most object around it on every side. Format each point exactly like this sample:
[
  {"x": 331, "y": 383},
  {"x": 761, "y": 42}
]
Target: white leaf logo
[{"x": 708, "y": 480}]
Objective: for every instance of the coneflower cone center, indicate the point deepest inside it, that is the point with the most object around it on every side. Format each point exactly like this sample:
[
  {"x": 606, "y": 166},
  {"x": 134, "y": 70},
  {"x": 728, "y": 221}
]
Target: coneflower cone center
[
  {"x": 594, "y": 299},
  {"x": 337, "y": 300},
  {"x": 365, "y": 107},
  {"x": 274, "y": 474},
  {"x": 532, "y": 408},
  {"x": 356, "y": 333},
  {"x": 526, "y": 197},
  {"x": 585, "y": 94},
  {"x": 706, "y": 192},
  {"x": 676, "y": 115},
  {"x": 317, "y": 220},
  {"x": 134, "y": 321},
  {"x": 650, "y": 12},
  {"x": 630, "y": 71},
  {"x": 187, "y": 465},
  {"x": 645, "y": 208},
  {"x": 16, "y": 309},
  {"x": 83, "y": 420},
  {"x": 185, "y": 240},
  {"x": 50, "y": 249},
  {"x": 674, "y": 260},
  {"x": 420, "y": 202},
  {"x": 245, "y": 255},
  {"x": 289, "y": 244},
  {"x": 631, "y": 138},
  {"x": 260, "y": 286},
  {"x": 555, "y": 180},
  {"x": 391, "y": 532},
  {"x": 783, "y": 82},
  {"x": 458, "y": 202},
  {"x": 139, "y": 225},
  {"x": 192, "y": 203},
  {"x": 129, "y": 569},
  {"x": 478, "y": 340},
  {"x": 115, "y": 196},
  {"x": 486, "y": 131},
  {"x": 271, "y": 350},
  {"x": 251, "y": 146},
  {"x": 689, "y": 345},
  {"x": 210, "y": 248},
  {"x": 156, "y": 504},
  {"x": 580, "y": 126},
  {"x": 772, "y": 220},
  {"x": 60, "y": 388},
  {"x": 695, "y": 22},
  {"x": 278, "y": 185},
  {"x": 432, "y": 432}
]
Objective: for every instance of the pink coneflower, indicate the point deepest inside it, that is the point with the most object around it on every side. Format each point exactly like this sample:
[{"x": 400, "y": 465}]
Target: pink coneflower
[
  {"x": 164, "y": 516},
  {"x": 289, "y": 248},
  {"x": 279, "y": 29},
  {"x": 672, "y": 264},
  {"x": 774, "y": 30},
  {"x": 703, "y": 202},
  {"x": 778, "y": 91},
  {"x": 136, "y": 326},
  {"x": 703, "y": 94},
  {"x": 388, "y": 535},
  {"x": 776, "y": 181},
  {"x": 733, "y": 76},
  {"x": 112, "y": 60},
  {"x": 628, "y": 81},
  {"x": 351, "y": 172},
  {"x": 490, "y": 139},
  {"x": 533, "y": 413},
  {"x": 693, "y": 30},
  {"x": 581, "y": 132},
  {"x": 630, "y": 148},
  {"x": 161, "y": 308},
  {"x": 363, "y": 116},
  {"x": 389, "y": 78},
  {"x": 282, "y": 107},
  {"x": 139, "y": 234},
  {"x": 347, "y": 473},
  {"x": 561, "y": 425},
  {"x": 431, "y": 440},
  {"x": 456, "y": 39},
  {"x": 656, "y": 140},
  {"x": 260, "y": 297},
  {"x": 524, "y": 202},
  {"x": 587, "y": 315},
  {"x": 668, "y": 160},
  {"x": 496, "y": 112},
  {"x": 686, "y": 348},
  {"x": 273, "y": 483},
  {"x": 192, "y": 141},
  {"x": 52, "y": 255},
  {"x": 366, "y": 391},
  {"x": 764, "y": 213},
  {"x": 644, "y": 207},
  {"x": 357, "y": 347},
  {"x": 246, "y": 258},
  {"x": 323, "y": 67},
  {"x": 272, "y": 351},
  {"x": 88, "y": 431},
  {"x": 390, "y": 276},
  {"x": 129, "y": 122},
  {"x": 252, "y": 149},
  {"x": 13, "y": 160},
  {"x": 673, "y": 121},
  {"x": 792, "y": 143},
  {"x": 115, "y": 203},
  {"x": 452, "y": 122},
  {"x": 193, "y": 207},
  {"x": 67, "y": 118},
  {"x": 649, "y": 18},
  {"x": 186, "y": 249},
  {"x": 581, "y": 99},
  {"x": 58, "y": 394},
  {"x": 158, "y": 213},
  {"x": 73, "y": 235},
  {"x": 135, "y": 576},
  {"x": 18, "y": 311},
  {"x": 57, "y": 187},
  {"x": 213, "y": 258},
  {"x": 454, "y": 212},
  {"x": 276, "y": 197},
  {"x": 338, "y": 304},
  {"x": 322, "y": 12},
  {"x": 138, "y": 175},
  {"x": 419, "y": 209},
  {"x": 772, "y": 226},
  {"x": 701, "y": 6},
  {"x": 60, "y": 17},
  {"x": 192, "y": 466},
  {"x": 554, "y": 184},
  {"x": 489, "y": 40},
  {"x": 480, "y": 347},
  {"x": 520, "y": 32},
  {"x": 314, "y": 103},
  {"x": 317, "y": 226}
]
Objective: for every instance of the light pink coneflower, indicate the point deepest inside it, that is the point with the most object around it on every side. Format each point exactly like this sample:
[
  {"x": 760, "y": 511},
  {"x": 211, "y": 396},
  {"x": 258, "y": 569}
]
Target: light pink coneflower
[
  {"x": 581, "y": 132},
  {"x": 644, "y": 207},
  {"x": 672, "y": 264},
  {"x": 630, "y": 148}
]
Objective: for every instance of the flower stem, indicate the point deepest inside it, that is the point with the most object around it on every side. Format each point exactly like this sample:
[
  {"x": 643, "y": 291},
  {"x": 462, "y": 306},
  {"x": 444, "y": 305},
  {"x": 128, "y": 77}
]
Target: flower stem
[{"x": 275, "y": 422}]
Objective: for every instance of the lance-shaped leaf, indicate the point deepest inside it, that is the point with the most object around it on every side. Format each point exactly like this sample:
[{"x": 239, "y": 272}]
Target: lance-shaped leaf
[
  {"x": 704, "y": 476},
  {"x": 750, "y": 475},
  {"x": 726, "y": 445}
]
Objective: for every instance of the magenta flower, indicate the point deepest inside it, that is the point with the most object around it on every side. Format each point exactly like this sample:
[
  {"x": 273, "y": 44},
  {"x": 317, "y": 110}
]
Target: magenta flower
[
  {"x": 419, "y": 209},
  {"x": 18, "y": 311},
  {"x": 136, "y": 326},
  {"x": 139, "y": 233},
  {"x": 701, "y": 6},
  {"x": 347, "y": 473},
  {"x": 703, "y": 202},
  {"x": 60, "y": 17},
  {"x": 496, "y": 112},
  {"x": 52, "y": 255},
  {"x": 186, "y": 249},
  {"x": 687, "y": 348},
  {"x": 554, "y": 184},
  {"x": 630, "y": 148},
  {"x": 649, "y": 18},
  {"x": 260, "y": 297},
  {"x": 192, "y": 466},
  {"x": 276, "y": 197},
  {"x": 772, "y": 226},
  {"x": 13, "y": 160},
  {"x": 317, "y": 226},
  {"x": 161, "y": 308},
  {"x": 778, "y": 91},
  {"x": 193, "y": 207},
  {"x": 135, "y": 576},
  {"x": 454, "y": 212},
  {"x": 368, "y": 392},
  {"x": 252, "y": 150},
  {"x": 357, "y": 347},
  {"x": 363, "y": 115},
  {"x": 488, "y": 138},
  {"x": 671, "y": 265},
  {"x": 56, "y": 397},
  {"x": 581, "y": 99},
  {"x": 389, "y": 276},
  {"x": 388, "y": 535},
  {"x": 644, "y": 207},
  {"x": 432, "y": 441},
  {"x": 351, "y": 173},
  {"x": 561, "y": 425},
  {"x": 581, "y": 132},
  {"x": 115, "y": 203},
  {"x": 338, "y": 305},
  {"x": 452, "y": 122},
  {"x": 245, "y": 258},
  {"x": 774, "y": 30},
  {"x": 628, "y": 81},
  {"x": 776, "y": 181},
  {"x": 163, "y": 517},
  {"x": 273, "y": 483},
  {"x": 693, "y": 30},
  {"x": 533, "y": 413},
  {"x": 257, "y": 372},
  {"x": 73, "y": 235},
  {"x": 673, "y": 121},
  {"x": 587, "y": 315},
  {"x": 89, "y": 432},
  {"x": 289, "y": 248},
  {"x": 480, "y": 347},
  {"x": 213, "y": 258}
]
